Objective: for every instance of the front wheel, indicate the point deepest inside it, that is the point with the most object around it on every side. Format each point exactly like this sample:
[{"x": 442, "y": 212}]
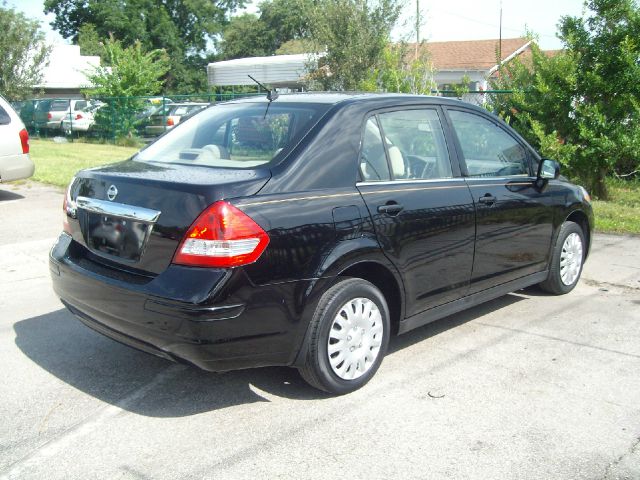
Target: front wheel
[
  {"x": 566, "y": 260},
  {"x": 349, "y": 335}
]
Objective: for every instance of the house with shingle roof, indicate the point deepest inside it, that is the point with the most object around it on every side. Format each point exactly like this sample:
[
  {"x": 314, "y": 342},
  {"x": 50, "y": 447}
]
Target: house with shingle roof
[{"x": 475, "y": 59}]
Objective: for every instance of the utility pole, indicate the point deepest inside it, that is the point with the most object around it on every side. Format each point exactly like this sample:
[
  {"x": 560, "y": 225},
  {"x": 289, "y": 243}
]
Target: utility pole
[
  {"x": 417, "y": 26},
  {"x": 500, "y": 40}
]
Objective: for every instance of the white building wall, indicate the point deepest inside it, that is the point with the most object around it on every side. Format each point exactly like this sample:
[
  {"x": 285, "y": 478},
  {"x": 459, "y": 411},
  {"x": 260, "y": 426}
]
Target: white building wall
[{"x": 67, "y": 69}]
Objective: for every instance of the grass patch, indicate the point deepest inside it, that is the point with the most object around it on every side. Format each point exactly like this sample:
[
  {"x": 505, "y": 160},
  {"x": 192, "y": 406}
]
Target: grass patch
[
  {"x": 621, "y": 213},
  {"x": 57, "y": 163}
]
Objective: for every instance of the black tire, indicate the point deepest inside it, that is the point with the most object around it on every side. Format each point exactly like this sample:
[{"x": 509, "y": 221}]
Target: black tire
[
  {"x": 554, "y": 284},
  {"x": 317, "y": 370}
]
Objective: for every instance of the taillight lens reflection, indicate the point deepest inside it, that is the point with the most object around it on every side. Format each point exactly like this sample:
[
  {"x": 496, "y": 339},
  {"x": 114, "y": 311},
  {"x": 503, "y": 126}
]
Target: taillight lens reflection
[{"x": 222, "y": 236}]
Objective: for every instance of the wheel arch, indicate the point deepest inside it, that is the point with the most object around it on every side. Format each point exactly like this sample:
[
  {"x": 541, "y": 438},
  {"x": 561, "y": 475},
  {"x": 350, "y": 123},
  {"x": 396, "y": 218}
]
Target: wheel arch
[
  {"x": 581, "y": 218},
  {"x": 379, "y": 272},
  {"x": 382, "y": 277}
]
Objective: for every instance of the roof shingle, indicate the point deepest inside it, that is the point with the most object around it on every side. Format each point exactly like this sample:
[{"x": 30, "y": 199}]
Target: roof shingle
[{"x": 470, "y": 54}]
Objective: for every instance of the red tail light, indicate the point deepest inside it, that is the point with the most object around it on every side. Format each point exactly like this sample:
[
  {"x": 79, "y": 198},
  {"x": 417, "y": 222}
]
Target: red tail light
[
  {"x": 222, "y": 236},
  {"x": 170, "y": 122},
  {"x": 79, "y": 116},
  {"x": 49, "y": 116},
  {"x": 24, "y": 140}
]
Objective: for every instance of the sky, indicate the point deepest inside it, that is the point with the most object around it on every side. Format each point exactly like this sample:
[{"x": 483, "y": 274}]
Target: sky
[{"x": 441, "y": 21}]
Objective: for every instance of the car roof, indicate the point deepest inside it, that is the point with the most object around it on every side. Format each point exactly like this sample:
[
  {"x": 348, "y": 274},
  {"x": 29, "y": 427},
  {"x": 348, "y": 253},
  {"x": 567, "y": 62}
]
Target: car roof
[{"x": 349, "y": 97}]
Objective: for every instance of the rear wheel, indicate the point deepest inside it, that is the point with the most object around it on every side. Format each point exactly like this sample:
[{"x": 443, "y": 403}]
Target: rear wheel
[
  {"x": 566, "y": 260},
  {"x": 348, "y": 337}
]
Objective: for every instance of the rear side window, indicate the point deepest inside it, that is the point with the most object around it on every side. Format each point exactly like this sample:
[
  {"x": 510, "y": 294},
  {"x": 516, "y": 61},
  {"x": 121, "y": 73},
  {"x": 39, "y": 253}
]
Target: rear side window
[
  {"x": 5, "y": 119},
  {"x": 488, "y": 150},
  {"x": 416, "y": 144},
  {"x": 373, "y": 160},
  {"x": 241, "y": 135}
]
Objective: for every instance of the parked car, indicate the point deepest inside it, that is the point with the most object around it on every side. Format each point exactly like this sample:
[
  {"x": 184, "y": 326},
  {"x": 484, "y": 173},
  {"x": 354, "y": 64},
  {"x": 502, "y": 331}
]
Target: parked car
[
  {"x": 15, "y": 162},
  {"x": 27, "y": 113},
  {"x": 50, "y": 113},
  {"x": 162, "y": 120},
  {"x": 307, "y": 230},
  {"x": 81, "y": 121}
]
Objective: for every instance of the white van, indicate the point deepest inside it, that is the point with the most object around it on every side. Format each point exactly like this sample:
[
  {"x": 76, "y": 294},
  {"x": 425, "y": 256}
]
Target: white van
[{"x": 15, "y": 162}]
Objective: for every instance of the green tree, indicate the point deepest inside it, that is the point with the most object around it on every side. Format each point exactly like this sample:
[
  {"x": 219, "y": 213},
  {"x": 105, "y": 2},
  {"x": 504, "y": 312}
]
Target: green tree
[
  {"x": 583, "y": 105},
  {"x": 246, "y": 36},
  {"x": 279, "y": 22},
  {"x": 296, "y": 46},
  {"x": 131, "y": 72},
  {"x": 350, "y": 37},
  {"x": 400, "y": 70},
  {"x": 182, "y": 28},
  {"x": 89, "y": 41},
  {"x": 23, "y": 52},
  {"x": 287, "y": 19}
]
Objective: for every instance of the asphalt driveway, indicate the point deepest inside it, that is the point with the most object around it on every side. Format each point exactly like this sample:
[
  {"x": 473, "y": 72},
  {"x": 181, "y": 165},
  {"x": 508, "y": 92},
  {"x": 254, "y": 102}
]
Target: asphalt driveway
[{"x": 527, "y": 386}]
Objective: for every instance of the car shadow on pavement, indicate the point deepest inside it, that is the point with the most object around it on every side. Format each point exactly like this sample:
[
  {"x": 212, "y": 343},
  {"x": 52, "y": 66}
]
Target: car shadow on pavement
[
  {"x": 452, "y": 321},
  {"x": 140, "y": 382},
  {"x": 152, "y": 386},
  {"x": 5, "y": 196}
]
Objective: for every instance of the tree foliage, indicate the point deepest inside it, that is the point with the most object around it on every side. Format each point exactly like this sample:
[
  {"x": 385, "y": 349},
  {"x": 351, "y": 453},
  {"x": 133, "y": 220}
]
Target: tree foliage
[
  {"x": 350, "y": 37},
  {"x": 131, "y": 72},
  {"x": 582, "y": 105},
  {"x": 401, "y": 70},
  {"x": 279, "y": 22},
  {"x": 246, "y": 36},
  {"x": 23, "y": 52},
  {"x": 182, "y": 28}
]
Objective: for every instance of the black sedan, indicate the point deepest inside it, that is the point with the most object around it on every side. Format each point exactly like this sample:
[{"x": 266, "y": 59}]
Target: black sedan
[{"x": 307, "y": 230}]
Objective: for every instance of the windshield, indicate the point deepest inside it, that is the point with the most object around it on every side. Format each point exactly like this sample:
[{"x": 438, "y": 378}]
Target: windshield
[{"x": 241, "y": 135}]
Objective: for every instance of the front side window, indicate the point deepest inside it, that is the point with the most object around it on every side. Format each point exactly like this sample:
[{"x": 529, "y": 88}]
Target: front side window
[
  {"x": 241, "y": 135},
  {"x": 416, "y": 144},
  {"x": 488, "y": 150}
]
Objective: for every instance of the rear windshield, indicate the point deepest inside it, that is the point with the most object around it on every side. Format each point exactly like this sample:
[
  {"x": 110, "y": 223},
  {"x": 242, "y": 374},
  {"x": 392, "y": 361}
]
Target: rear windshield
[
  {"x": 59, "y": 105},
  {"x": 43, "y": 105},
  {"x": 181, "y": 110},
  {"x": 241, "y": 135}
]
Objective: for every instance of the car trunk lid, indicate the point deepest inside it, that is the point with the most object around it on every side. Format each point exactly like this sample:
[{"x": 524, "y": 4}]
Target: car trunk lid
[{"x": 133, "y": 215}]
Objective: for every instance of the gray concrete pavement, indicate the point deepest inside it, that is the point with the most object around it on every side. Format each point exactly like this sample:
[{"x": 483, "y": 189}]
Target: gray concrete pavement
[{"x": 527, "y": 386}]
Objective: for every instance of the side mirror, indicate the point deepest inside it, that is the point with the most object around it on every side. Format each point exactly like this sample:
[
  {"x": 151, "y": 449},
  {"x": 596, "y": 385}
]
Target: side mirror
[{"x": 548, "y": 169}]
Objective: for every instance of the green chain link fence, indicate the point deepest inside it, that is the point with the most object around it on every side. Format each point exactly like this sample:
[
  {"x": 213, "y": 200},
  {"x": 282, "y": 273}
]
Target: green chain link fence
[{"x": 141, "y": 119}]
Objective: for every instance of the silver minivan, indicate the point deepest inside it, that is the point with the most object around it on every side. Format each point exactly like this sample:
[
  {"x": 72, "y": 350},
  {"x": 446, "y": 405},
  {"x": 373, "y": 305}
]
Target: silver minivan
[{"x": 15, "y": 162}]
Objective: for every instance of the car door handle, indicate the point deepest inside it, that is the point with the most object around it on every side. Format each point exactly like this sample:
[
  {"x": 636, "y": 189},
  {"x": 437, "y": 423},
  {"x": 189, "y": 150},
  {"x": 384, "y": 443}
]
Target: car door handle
[
  {"x": 488, "y": 199},
  {"x": 390, "y": 208}
]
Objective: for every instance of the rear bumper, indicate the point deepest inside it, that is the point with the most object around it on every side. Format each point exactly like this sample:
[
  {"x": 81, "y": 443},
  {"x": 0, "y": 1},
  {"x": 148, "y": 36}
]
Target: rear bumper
[
  {"x": 15, "y": 167},
  {"x": 214, "y": 319},
  {"x": 76, "y": 126},
  {"x": 156, "y": 129}
]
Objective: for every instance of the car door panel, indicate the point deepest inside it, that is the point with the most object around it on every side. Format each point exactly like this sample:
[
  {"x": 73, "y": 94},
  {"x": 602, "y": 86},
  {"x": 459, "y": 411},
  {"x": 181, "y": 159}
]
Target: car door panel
[
  {"x": 430, "y": 240},
  {"x": 423, "y": 216},
  {"x": 514, "y": 217},
  {"x": 513, "y": 232}
]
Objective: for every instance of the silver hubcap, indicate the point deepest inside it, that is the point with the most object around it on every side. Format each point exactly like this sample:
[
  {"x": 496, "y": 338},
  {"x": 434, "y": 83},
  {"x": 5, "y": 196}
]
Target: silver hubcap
[
  {"x": 571, "y": 259},
  {"x": 355, "y": 338}
]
